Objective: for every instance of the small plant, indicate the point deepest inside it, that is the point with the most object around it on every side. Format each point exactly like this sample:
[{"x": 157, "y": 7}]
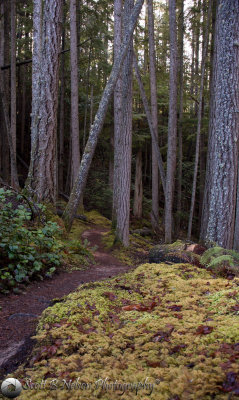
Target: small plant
[
  {"x": 221, "y": 260},
  {"x": 26, "y": 251},
  {"x": 82, "y": 253}
]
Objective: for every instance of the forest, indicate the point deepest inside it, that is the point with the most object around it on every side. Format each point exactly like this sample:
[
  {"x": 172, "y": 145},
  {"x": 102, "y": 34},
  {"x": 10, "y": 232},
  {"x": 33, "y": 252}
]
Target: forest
[{"x": 119, "y": 199}]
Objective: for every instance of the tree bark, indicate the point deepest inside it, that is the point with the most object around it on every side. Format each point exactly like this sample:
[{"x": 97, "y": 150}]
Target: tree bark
[
  {"x": 42, "y": 177},
  {"x": 218, "y": 219},
  {"x": 80, "y": 183},
  {"x": 13, "y": 88},
  {"x": 62, "y": 109},
  {"x": 204, "y": 58},
  {"x": 172, "y": 124},
  {"x": 117, "y": 107},
  {"x": 75, "y": 154},
  {"x": 125, "y": 139},
  {"x": 180, "y": 118},
  {"x": 154, "y": 113}
]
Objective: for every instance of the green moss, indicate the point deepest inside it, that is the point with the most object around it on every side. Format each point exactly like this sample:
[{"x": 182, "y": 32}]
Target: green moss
[
  {"x": 172, "y": 335},
  {"x": 96, "y": 218}
]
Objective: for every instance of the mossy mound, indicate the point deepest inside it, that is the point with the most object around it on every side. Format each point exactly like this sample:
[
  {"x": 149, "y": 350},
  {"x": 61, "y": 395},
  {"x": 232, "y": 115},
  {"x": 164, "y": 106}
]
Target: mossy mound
[
  {"x": 168, "y": 330},
  {"x": 96, "y": 218}
]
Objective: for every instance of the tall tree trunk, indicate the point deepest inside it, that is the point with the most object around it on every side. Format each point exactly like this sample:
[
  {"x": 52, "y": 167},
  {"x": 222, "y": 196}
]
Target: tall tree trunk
[
  {"x": 222, "y": 163},
  {"x": 138, "y": 186},
  {"x": 80, "y": 183},
  {"x": 62, "y": 108},
  {"x": 75, "y": 154},
  {"x": 154, "y": 113},
  {"x": 180, "y": 118},
  {"x": 125, "y": 139},
  {"x": 117, "y": 107},
  {"x": 204, "y": 58},
  {"x": 42, "y": 177},
  {"x": 172, "y": 124},
  {"x": 13, "y": 86},
  {"x": 6, "y": 127},
  {"x": 23, "y": 110}
]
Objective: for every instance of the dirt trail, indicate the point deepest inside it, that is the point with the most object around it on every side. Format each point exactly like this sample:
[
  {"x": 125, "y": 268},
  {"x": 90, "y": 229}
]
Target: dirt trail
[{"x": 19, "y": 313}]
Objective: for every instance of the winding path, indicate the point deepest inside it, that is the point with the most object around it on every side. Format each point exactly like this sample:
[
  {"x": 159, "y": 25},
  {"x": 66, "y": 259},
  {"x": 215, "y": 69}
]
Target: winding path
[{"x": 19, "y": 313}]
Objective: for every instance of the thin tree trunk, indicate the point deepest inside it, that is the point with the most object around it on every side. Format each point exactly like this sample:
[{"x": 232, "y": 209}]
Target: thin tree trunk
[
  {"x": 204, "y": 58},
  {"x": 180, "y": 118},
  {"x": 75, "y": 154},
  {"x": 23, "y": 113},
  {"x": 138, "y": 186},
  {"x": 125, "y": 139},
  {"x": 13, "y": 87},
  {"x": 150, "y": 123},
  {"x": 117, "y": 107},
  {"x": 91, "y": 105},
  {"x": 222, "y": 164},
  {"x": 14, "y": 176},
  {"x": 80, "y": 183},
  {"x": 154, "y": 113},
  {"x": 172, "y": 124}
]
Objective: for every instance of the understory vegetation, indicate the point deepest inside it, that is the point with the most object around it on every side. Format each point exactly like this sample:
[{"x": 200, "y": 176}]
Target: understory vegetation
[{"x": 174, "y": 326}]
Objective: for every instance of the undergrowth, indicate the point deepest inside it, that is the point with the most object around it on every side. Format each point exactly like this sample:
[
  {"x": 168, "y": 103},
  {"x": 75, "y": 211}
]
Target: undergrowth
[{"x": 27, "y": 249}]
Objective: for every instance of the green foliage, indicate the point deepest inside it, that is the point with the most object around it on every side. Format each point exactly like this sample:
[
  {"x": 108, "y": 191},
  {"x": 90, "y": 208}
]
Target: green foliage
[
  {"x": 26, "y": 250},
  {"x": 221, "y": 260}
]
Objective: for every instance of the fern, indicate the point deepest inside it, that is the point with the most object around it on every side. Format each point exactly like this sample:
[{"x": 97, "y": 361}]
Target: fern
[
  {"x": 225, "y": 258},
  {"x": 211, "y": 253},
  {"x": 220, "y": 260}
]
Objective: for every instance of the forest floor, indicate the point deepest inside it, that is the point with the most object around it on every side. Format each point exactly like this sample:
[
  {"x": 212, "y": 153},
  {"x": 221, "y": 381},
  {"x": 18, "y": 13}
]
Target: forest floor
[{"x": 19, "y": 313}]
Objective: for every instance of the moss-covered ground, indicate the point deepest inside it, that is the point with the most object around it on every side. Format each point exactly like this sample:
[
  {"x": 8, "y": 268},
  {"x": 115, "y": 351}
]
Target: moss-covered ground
[{"x": 160, "y": 332}]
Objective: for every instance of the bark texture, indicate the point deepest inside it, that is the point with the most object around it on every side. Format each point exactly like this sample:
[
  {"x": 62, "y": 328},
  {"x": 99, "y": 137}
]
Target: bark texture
[
  {"x": 154, "y": 113},
  {"x": 219, "y": 206},
  {"x": 117, "y": 106},
  {"x": 80, "y": 183},
  {"x": 13, "y": 86},
  {"x": 125, "y": 139},
  {"x": 75, "y": 154},
  {"x": 43, "y": 174},
  {"x": 172, "y": 124}
]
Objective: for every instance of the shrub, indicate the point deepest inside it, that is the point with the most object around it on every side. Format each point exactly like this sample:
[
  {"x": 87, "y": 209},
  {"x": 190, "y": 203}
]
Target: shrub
[{"x": 26, "y": 250}]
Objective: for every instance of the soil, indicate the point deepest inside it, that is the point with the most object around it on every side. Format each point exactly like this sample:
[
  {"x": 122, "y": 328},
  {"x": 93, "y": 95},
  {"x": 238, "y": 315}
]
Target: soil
[{"x": 19, "y": 313}]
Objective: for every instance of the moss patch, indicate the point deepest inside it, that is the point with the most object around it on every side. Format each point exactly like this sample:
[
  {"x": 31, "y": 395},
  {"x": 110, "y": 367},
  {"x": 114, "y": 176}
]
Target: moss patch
[
  {"x": 171, "y": 326},
  {"x": 96, "y": 218}
]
